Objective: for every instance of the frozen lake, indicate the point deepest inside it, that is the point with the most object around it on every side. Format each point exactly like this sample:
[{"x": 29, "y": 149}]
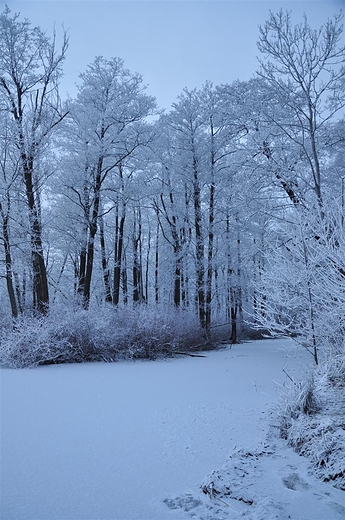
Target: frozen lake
[{"x": 111, "y": 441}]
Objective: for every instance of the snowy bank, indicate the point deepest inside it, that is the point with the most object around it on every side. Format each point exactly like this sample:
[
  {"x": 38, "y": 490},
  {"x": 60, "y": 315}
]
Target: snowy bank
[{"x": 313, "y": 419}]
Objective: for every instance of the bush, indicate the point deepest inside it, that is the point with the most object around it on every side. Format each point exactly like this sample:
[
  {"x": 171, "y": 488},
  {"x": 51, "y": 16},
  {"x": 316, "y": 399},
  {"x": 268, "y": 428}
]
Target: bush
[
  {"x": 298, "y": 398},
  {"x": 312, "y": 419},
  {"x": 102, "y": 334},
  {"x": 334, "y": 370}
]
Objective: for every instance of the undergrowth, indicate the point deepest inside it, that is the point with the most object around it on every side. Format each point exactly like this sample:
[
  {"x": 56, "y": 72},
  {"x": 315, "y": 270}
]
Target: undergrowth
[
  {"x": 312, "y": 419},
  {"x": 101, "y": 334}
]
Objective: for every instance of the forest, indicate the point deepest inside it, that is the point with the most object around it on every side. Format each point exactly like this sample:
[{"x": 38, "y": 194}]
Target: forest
[{"x": 132, "y": 232}]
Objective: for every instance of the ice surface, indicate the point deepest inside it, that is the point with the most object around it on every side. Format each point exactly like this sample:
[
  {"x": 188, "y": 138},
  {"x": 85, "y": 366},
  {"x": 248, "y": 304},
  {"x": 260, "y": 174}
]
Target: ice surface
[{"x": 119, "y": 441}]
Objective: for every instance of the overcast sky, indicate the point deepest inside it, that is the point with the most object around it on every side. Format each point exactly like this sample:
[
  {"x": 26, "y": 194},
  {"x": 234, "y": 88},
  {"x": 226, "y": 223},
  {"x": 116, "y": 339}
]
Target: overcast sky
[{"x": 173, "y": 44}]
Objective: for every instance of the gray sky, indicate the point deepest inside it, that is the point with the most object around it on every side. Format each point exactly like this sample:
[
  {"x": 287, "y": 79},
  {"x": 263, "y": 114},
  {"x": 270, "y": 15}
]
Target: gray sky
[{"x": 173, "y": 44}]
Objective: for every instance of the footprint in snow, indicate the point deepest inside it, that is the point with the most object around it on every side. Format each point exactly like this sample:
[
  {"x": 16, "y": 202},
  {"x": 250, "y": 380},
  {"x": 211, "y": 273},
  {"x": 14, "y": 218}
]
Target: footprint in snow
[
  {"x": 187, "y": 502},
  {"x": 295, "y": 482}
]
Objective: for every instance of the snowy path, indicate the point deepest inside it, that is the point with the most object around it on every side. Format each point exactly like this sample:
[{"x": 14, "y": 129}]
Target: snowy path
[{"x": 112, "y": 441}]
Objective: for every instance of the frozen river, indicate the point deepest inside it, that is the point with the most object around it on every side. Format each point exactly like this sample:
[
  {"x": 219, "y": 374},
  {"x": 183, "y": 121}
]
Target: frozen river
[{"x": 111, "y": 441}]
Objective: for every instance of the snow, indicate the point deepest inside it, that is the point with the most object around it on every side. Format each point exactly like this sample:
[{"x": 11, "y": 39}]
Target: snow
[{"x": 136, "y": 440}]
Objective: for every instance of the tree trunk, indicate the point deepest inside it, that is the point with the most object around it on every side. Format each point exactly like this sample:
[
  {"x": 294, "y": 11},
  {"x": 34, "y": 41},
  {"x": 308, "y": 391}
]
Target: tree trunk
[
  {"x": 239, "y": 291},
  {"x": 210, "y": 236},
  {"x": 229, "y": 273},
  {"x": 105, "y": 269},
  {"x": 177, "y": 277},
  {"x": 20, "y": 293},
  {"x": 8, "y": 264},
  {"x": 118, "y": 254},
  {"x": 56, "y": 289},
  {"x": 199, "y": 251},
  {"x": 84, "y": 239},
  {"x": 92, "y": 233},
  {"x": 124, "y": 279},
  {"x": 147, "y": 267},
  {"x": 82, "y": 269},
  {"x": 40, "y": 282},
  {"x": 233, "y": 338},
  {"x": 157, "y": 264},
  {"x": 137, "y": 264}
]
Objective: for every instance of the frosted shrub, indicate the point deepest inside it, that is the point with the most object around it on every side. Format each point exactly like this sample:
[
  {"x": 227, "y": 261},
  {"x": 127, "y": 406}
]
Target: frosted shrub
[
  {"x": 37, "y": 341},
  {"x": 334, "y": 370},
  {"x": 312, "y": 419},
  {"x": 297, "y": 398},
  {"x": 106, "y": 333}
]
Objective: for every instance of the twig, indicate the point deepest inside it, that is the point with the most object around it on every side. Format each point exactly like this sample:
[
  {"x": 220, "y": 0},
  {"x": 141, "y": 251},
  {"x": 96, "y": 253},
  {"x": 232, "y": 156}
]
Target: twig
[
  {"x": 288, "y": 375},
  {"x": 220, "y": 500},
  {"x": 225, "y": 503}
]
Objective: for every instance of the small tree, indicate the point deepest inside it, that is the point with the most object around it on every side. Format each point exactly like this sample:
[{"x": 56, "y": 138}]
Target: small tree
[{"x": 286, "y": 292}]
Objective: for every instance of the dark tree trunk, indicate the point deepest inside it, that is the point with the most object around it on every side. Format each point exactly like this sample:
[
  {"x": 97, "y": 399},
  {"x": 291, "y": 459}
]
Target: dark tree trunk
[
  {"x": 92, "y": 233},
  {"x": 20, "y": 293},
  {"x": 233, "y": 338},
  {"x": 81, "y": 271},
  {"x": 157, "y": 263},
  {"x": 105, "y": 269},
  {"x": 175, "y": 241},
  {"x": 177, "y": 281},
  {"x": 147, "y": 267},
  {"x": 200, "y": 291},
  {"x": 210, "y": 260},
  {"x": 210, "y": 235},
  {"x": 8, "y": 264},
  {"x": 137, "y": 261},
  {"x": 118, "y": 254},
  {"x": 40, "y": 282},
  {"x": 88, "y": 272},
  {"x": 124, "y": 279}
]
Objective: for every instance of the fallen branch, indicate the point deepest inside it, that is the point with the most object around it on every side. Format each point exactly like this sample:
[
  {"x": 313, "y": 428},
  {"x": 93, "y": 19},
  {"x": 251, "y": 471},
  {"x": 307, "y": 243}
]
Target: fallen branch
[{"x": 189, "y": 354}]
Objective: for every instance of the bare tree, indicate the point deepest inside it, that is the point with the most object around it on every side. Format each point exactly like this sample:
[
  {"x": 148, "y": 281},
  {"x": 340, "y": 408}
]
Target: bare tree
[
  {"x": 108, "y": 122},
  {"x": 305, "y": 68},
  {"x": 30, "y": 68}
]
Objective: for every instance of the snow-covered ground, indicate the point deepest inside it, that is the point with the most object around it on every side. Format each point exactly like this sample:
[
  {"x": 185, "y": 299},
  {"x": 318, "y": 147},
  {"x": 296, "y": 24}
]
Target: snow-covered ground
[{"x": 136, "y": 440}]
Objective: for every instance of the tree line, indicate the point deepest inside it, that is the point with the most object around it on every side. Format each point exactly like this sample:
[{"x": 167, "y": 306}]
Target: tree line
[{"x": 230, "y": 205}]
